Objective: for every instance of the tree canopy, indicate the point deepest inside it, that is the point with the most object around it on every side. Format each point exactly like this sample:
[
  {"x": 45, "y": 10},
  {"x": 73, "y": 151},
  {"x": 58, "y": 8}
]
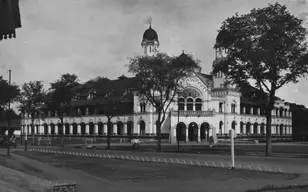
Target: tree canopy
[
  {"x": 264, "y": 49},
  {"x": 32, "y": 98},
  {"x": 8, "y": 93}
]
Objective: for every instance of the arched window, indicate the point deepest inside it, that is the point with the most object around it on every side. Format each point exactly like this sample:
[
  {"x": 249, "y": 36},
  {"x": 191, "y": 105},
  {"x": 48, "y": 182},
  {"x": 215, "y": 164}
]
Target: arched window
[
  {"x": 220, "y": 127},
  {"x": 198, "y": 104},
  {"x": 181, "y": 104},
  {"x": 190, "y": 104},
  {"x": 233, "y": 107},
  {"x": 220, "y": 107}
]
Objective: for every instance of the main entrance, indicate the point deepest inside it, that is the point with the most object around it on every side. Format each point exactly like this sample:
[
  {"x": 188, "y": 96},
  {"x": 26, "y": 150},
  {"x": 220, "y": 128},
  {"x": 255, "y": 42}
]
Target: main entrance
[
  {"x": 193, "y": 132},
  {"x": 205, "y": 132},
  {"x": 181, "y": 132}
]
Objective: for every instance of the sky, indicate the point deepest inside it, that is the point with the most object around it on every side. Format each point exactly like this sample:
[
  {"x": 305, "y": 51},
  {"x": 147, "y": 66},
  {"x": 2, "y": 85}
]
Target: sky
[{"x": 93, "y": 38}]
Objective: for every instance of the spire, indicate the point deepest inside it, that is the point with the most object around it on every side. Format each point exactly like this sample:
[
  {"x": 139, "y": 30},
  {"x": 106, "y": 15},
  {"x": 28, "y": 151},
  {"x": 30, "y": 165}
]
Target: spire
[
  {"x": 183, "y": 51},
  {"x": 150, "y": 25}
]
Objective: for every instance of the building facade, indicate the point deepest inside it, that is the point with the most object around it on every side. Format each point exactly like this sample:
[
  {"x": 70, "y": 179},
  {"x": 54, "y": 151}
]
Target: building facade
[{"x": 205, "y": 107}]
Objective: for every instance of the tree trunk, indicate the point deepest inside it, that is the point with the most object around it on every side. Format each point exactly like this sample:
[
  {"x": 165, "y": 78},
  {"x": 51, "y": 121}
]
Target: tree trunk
[
  {"x": 62, "y": 132},
  {"x": 108, "y": 134},
  {"x": 158, "y": 132},
  {"x": 32, "y": 131},
  {"x": 268, "y": 150},
  {"x": 268, "y": 114}
]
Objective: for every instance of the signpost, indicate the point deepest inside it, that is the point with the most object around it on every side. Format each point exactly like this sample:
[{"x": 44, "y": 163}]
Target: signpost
[{"x": 231, "y": 133}]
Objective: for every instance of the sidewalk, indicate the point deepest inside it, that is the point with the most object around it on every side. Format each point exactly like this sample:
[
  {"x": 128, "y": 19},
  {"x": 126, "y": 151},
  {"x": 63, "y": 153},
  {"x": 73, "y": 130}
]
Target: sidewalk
[{"x": 84, "y": 181}]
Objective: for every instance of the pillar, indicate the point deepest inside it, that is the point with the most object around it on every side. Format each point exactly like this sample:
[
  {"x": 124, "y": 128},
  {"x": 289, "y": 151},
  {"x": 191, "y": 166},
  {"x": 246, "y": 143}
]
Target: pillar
[
  {"x": 71, "y": 129},
  {"x": 259, "y": 111},
  {"x": 79, "y": 129},
  {"x": 125, "y": 129},
  {"x": 114, "y": 128},
  {"x": 105, "y": 129},
  {"x": 244, "y": 110},
  {"x": 87, "y": 129},
  {"x": 56, "y": 129},
  {"x": 259, "y": 129},
  {"x": 187, "y": 139},
  {"x": 199, "y": 134},
  {"x": 96, "y": 129},
  {"x": 244, "y": 128},
  {"x": 290, "y": 129},
  {"x": 49, "y": 130}
]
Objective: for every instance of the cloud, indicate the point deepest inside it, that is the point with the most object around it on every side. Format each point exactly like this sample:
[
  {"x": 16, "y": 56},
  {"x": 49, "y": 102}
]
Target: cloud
[
  {"x": 303, "y": 16},
  {"x": 300, "y": 2}
]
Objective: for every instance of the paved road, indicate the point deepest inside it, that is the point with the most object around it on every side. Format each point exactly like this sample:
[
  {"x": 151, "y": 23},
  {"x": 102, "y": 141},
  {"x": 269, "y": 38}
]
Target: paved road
[{"x": 84, "y": 181}]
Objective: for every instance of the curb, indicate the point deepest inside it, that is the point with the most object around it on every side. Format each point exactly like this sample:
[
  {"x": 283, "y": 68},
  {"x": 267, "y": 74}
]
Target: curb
[{"x": 156, "y": 160}]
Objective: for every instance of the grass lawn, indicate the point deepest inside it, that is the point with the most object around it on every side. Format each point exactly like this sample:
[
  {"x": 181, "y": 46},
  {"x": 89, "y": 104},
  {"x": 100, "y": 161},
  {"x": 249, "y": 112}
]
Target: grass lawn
[{"x": 144, "y": 176}]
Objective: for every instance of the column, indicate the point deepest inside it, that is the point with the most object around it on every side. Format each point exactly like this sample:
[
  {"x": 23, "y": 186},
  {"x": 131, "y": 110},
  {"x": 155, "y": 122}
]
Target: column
[
  {"x": 96, "y": 129},
  {"x": 56, "y": 129},
  {"x": 79, "y": 129},
  {"x": 87, "y": 129},
  {"x": 71, "y": 129},
  {"x": 125, "y": 129},
  {"x": 185, "y": 106},
  {"x": 244, "y": 128},
  {"x": 154, "y": 129},
  {"x": 63, "y": 129},
  {"x": 194, "y": 106},
  {"x": 259, "y": 129},
  {"x": 187, "y": 139},
  {"x": 49, "y": 130},
  {"x": 199, "y": 138},
  {"x": 29, "y": 130},
  {"x": 35, "y": 129},
  {"x": 114, "y": 128},
  {"x": 105, "y": 129},
  {"x": 138, "y": 129},
  {"x": 259, "y": 110},
  {"x": 251, "y": 128},
  {"x": 174, "y": 133},
  {"x": 244, "y": 110}
]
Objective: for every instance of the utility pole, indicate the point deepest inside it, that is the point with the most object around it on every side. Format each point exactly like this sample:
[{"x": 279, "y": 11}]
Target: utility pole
[{"x": 9, "y": 120}]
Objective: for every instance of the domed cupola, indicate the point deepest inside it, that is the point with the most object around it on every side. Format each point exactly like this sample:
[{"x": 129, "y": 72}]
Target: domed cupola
[
  {"x": 150, "y": 42},
  {"x": 150, "y": 34}
]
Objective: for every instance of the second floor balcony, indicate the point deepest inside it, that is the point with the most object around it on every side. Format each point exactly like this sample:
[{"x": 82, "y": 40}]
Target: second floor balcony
[{"x": 193, "y": 113}]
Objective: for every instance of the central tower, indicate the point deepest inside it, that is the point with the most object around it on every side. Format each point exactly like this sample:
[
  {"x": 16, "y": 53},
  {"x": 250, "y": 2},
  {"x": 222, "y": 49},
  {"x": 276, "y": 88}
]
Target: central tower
[{"x": 150, "y": 42}]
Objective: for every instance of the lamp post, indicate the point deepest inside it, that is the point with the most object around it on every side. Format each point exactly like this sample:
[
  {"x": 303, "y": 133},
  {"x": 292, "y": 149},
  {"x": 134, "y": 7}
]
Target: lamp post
[
  {"x": 9, "y": 120},
  {"x": 177, "y": 136}
]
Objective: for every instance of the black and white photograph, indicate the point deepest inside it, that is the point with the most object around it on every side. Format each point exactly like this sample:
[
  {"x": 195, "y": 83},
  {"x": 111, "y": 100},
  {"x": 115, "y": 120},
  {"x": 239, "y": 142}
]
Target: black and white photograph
[{"x": 153, "y": 95}]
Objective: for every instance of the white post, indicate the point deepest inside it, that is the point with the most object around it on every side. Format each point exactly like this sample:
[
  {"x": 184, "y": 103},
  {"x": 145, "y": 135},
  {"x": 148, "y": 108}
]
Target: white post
[{"x": 231, "y": 133}]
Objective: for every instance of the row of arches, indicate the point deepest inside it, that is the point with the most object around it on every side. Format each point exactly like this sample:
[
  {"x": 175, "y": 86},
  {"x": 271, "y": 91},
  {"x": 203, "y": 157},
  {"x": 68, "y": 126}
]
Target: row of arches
[
  {"x": 190, "y": 104},
  {"x": 72, "y": 129},
  {"x": 181, "y": 133},
  {"x": 255, "y": 128}
]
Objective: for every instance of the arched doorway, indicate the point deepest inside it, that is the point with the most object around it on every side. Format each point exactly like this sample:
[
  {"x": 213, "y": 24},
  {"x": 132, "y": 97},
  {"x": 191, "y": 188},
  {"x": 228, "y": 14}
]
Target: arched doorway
[
  {"x": 142, "y": 127},
  {"x": 248, "y": 128},
  {"x": 83, "y": 128},
  {"x": 75, "y": 130},
  {"x": 193, "y": 132},
  {"x": 220, "y": 127},
  {"x": 52, "y": 129},
  {"x": 60, "y": 129},
  {"x": 100, "y": 128},
  {"x": 233, "y": 125},
  {"x": 205, "y": 131},
  {"x": 67, "y": 129},
  {"x": 91, "y": 128},
  {"x": 45, "y": 129},
  {"x": 130, "y": 128},
  {"x": 181, "y": 132},
  {"x": 120, "y": 127},
  {"x": 255, "y": 128}
]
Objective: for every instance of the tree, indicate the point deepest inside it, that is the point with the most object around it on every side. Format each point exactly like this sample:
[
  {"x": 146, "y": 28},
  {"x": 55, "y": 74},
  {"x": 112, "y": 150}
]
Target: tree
[
  {"x": 60, "y": 96},
  {"x": 110, "y": 108},
  {"x": 32, "y": 99},
  {"x": 159, "y": 81},
  {"x": 265, "y": 49},
  {"x": 8, "y": 94}
]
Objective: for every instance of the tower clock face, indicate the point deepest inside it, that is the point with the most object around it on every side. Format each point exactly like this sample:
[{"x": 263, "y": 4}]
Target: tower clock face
[{"x": 155, "y": 49}]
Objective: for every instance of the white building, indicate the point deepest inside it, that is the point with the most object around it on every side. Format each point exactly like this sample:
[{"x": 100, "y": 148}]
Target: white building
[{"x": 205, "y": 108}]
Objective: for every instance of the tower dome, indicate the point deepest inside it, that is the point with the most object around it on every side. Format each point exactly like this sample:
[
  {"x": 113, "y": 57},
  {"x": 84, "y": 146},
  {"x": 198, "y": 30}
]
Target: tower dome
[{"x": 150, "y": 34}]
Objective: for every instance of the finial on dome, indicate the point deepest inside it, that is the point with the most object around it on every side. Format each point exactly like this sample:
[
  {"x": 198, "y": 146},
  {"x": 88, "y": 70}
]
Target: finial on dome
[
  {"x": 150, "y": 25},
  {"x": 183, "y": 51}
]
